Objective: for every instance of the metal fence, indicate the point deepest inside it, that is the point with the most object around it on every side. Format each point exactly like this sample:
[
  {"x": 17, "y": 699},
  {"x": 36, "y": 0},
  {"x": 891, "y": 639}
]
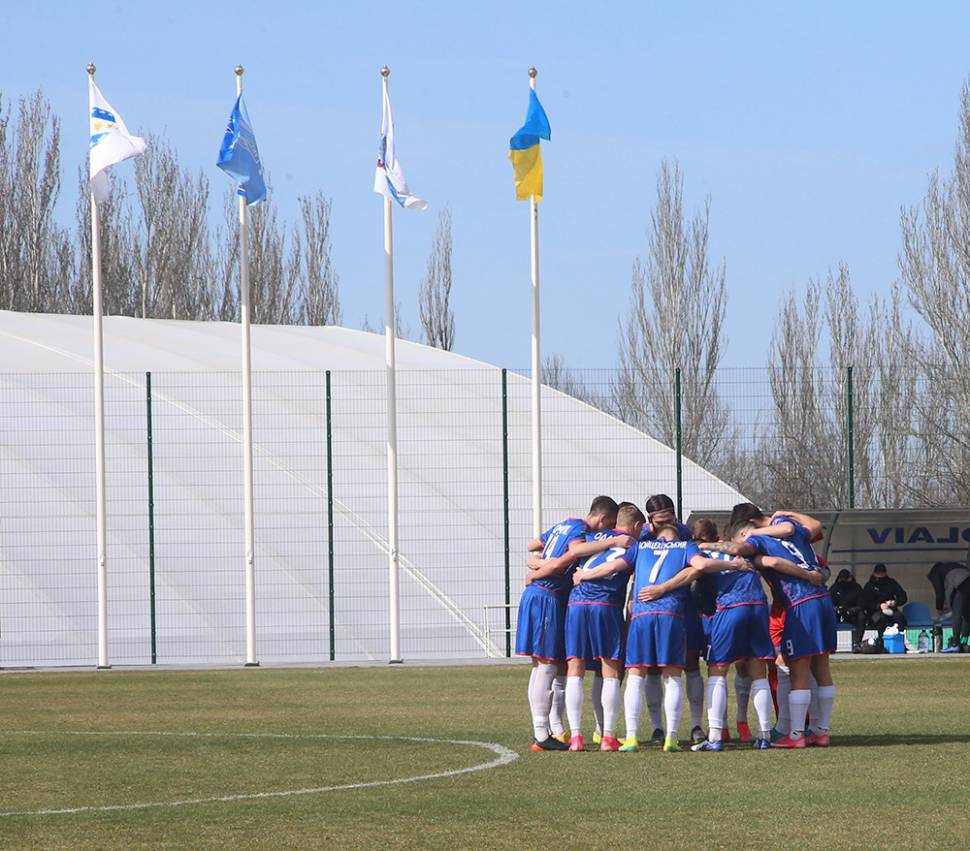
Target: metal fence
[{"x": 174, "y": 495}]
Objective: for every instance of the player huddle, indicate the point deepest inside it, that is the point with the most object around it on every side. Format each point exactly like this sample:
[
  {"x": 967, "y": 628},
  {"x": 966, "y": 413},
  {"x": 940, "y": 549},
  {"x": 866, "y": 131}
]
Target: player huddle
[{"x": 691, "y": 592}]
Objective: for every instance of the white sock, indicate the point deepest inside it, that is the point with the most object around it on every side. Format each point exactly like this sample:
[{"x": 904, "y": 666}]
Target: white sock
[
  {"x": 695, "y": 697},
  {"x": 574, "y": 705},
  {"x": 654, "y": 690},
  {"x": 826, "y": 700},
  {"x": 716, "y": 707},
  {"x": 761, "y": 691},
  {"x": 813, "y": 708},
  {"x": 798, "y": 700},
  {"x": 540, "y": 699},
  {"x": 783, "y": 724},
  {"x": 633, "y": 703},
  {"x": 597, "y": 696},
  {"x": 742, "y": 691},
  {"x": 611, "y": 704},
  {"x": 558, "y": 706},
  {"x": 673, "y": 700}
]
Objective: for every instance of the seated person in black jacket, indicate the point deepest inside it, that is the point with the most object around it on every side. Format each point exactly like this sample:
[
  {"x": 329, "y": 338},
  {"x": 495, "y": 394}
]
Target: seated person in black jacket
[
  {"x": 884, "y": 599},
  {"x": 951, "y": 582},
  {"x": 849, "y": 608}
]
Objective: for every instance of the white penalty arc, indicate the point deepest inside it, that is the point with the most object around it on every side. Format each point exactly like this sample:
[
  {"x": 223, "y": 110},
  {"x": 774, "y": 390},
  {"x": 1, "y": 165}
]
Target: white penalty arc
[{"x": 503, "y": 756}]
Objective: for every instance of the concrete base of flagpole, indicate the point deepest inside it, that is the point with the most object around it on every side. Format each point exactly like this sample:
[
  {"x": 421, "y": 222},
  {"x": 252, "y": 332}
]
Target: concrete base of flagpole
[
  {"x": 395, "y": 661},
  {"x": 103, "y": 668},
  {"x": 250, "y": 664}
]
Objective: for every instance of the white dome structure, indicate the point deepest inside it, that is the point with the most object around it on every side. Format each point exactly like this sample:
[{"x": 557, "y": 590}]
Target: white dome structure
[{"x": 452, "y": 530}]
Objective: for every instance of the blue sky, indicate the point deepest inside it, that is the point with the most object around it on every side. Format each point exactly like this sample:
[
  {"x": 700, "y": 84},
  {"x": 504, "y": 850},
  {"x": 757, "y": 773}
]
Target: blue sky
[{"x": 807, "y": 124}]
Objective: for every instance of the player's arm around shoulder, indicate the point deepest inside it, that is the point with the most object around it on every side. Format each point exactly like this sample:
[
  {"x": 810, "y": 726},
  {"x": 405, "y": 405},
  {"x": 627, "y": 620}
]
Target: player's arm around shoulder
[
  {"x": 703, "y": 564},
  {"x": 810, "y": 524},
  {"x": 685, "y": 577},
  {"x": 585, "y": 549},
  {"x": 789, "y": 568},
  {"x": 608, "y": 568},
  {"x": 733, "y": 548},
  {"x": 540, "y": 568}
]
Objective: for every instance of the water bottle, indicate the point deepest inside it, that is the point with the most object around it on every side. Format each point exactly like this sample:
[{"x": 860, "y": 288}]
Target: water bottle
[
  {"x": 923, "y": 642},
  {"x": 937, "y": 638}
]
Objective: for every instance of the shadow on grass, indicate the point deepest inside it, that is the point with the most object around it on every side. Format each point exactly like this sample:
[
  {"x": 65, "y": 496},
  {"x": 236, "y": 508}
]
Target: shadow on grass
[{"x": 895, "y": 740}]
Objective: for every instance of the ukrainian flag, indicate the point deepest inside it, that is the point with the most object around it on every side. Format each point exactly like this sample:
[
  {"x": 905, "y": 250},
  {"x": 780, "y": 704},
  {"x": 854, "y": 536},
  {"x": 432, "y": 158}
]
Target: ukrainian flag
[{"x": 525, "y": 151}]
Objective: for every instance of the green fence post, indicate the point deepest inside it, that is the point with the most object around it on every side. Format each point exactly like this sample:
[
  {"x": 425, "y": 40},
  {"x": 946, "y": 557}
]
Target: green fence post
[
  {"x": 850, "y": 441},
  {"x": 677, "y": 442},
  {"x": 330, "y": 512},
  {"x": 151, "y": 515},
  {"x": 505, "y": 509}
]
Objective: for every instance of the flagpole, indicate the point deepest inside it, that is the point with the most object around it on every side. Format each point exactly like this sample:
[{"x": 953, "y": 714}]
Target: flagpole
[
  {"x": 247, "y": 390},
  {"x": 101, "y": 511},
  {"x": 536, "y": 365},
  {"x": 393, "y": 566}
]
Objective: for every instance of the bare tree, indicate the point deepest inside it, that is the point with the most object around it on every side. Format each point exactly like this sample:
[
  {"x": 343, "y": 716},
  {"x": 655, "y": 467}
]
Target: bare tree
[
  {"x": 434, "y": 296},
  {"x": 319, "y": 282},
  {"x": 273, "y": 270},
  {"x": 36, "y": 255},
  {"x": 675, "y": 320},
  {"x": 174, "y": 263},
  {"x": 119, "y": 237},
  {"x": 935, "y": 274}
]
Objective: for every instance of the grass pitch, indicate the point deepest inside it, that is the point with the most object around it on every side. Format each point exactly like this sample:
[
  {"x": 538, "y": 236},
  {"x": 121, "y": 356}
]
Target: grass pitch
[{"x": 896, "y": 774}]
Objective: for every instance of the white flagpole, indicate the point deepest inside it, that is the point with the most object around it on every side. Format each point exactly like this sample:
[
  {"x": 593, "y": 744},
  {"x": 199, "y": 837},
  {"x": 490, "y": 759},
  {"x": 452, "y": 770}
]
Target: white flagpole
[
  {"x": 99, "y": 431},
  {"x": 536, "y": 365},
  {"x": 394, "y": 584},
  {"x": 247, "y": 400}
]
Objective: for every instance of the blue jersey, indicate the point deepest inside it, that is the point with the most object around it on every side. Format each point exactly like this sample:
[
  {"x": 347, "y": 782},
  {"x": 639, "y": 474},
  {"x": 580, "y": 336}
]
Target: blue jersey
[
  {"x": 801, "y": 540},
  {"x": 656, "y": 562},
  {"x": 555, "y": 543},
  {"x": 733, "y": 587},
  {"x": 608, "y": 589},
  {"x": 788, "y": 590}
]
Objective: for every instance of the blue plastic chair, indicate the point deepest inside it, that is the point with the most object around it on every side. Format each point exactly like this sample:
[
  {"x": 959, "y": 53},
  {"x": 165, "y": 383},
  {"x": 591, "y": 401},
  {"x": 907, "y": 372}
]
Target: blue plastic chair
[{"x": 917, "y": 615}]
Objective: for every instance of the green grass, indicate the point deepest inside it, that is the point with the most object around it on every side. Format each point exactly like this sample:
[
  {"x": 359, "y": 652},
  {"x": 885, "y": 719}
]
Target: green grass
[{"x": 896, "y": 774}]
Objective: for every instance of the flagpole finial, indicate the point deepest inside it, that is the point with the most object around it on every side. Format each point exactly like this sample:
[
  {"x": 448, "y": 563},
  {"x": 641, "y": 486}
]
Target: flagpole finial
[
  {"x": 533, "y": 73},
  {"x": 385, "y": 72},
  {"x": 91, "y": 68},
  {"x": 239, "y": 70}
]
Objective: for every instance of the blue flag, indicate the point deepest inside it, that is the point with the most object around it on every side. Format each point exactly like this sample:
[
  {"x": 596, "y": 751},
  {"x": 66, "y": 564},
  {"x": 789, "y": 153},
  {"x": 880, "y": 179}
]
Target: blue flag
[{"x": 239, "y": 156}]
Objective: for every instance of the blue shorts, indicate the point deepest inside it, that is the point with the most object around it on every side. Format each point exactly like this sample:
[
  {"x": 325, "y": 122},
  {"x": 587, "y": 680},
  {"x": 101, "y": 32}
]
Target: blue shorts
[
  {"x": 656, "y": 639},
  {"x": 695, "y": 633},
  {"x": 809, "y": 628},
  {"x": 594, "y": 631},
  {"x": 540, "y": 629},
  {"x": 740, "y": 632}
]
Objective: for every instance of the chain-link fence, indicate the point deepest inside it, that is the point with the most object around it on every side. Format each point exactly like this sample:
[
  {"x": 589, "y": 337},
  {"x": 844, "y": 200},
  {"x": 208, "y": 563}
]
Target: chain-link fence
[{"x": 828, "y": 439}]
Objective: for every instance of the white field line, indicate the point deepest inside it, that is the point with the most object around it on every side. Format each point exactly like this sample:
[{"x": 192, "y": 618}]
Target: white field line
[{"x": 503, "y": 757}]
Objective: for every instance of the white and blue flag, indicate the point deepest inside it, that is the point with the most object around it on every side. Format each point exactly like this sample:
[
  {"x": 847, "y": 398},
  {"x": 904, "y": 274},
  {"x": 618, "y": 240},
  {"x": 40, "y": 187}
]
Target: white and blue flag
[
  {"x": 239, "y": 156},
  {"x": 389, "y": 180},
  {"x": 111, "y": 142}
]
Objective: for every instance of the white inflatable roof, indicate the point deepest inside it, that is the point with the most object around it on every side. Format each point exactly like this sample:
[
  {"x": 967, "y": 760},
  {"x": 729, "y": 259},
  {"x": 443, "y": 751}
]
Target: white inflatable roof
[{"x": 452, "y": 531}]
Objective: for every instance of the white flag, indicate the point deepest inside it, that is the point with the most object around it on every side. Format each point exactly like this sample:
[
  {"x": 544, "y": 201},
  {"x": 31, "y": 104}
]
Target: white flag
[
  {"x": 389, "y": 180},
  {"x": 110, "y": 141}
]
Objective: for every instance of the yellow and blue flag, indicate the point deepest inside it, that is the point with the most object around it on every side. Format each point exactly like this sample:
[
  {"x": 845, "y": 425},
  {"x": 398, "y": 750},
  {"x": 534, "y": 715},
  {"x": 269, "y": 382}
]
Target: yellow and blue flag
[{"x": 525, "y": 151}]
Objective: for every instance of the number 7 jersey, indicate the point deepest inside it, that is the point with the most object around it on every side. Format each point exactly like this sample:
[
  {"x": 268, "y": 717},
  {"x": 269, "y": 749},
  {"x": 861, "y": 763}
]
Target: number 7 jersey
[{"x": 656, "y": 562}]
